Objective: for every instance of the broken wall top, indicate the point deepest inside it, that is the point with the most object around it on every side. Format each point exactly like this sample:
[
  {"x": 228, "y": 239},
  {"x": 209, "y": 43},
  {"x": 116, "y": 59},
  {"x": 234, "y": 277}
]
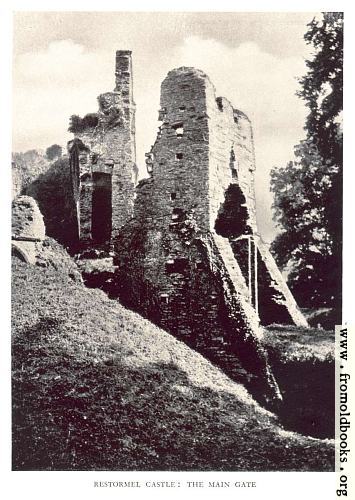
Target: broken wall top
[
  {"x": 203, "y": 146},
  {"x": 27, "y": 220}
]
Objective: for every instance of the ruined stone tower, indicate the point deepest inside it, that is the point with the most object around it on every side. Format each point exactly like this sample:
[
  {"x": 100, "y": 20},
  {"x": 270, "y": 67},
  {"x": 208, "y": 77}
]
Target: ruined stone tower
[
  {"x": 103, "y": 160},
  {"x": 192, "y": 259}
]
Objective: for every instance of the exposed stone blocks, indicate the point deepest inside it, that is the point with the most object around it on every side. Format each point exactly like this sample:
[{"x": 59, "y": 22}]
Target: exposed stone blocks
[
  {"x": 187, "y": 249},
  {"x": 109, "y": 140},
  {"x": 85, "y": 204},
  {"x": 28, "y": 230},
  {"x": 27, "y": 220},
  {"x": 180, "y": 157}
]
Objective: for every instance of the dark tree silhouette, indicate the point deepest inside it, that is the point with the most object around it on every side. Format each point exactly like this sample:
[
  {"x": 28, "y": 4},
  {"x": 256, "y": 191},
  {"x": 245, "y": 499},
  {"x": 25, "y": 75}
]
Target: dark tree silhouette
[
  {"x": 308, "y": 191},
  {"x": 54, "y": 152}
]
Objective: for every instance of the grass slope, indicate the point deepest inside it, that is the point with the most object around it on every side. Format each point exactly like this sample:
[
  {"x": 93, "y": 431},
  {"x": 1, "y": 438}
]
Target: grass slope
[{"x": 97, "y": 387}]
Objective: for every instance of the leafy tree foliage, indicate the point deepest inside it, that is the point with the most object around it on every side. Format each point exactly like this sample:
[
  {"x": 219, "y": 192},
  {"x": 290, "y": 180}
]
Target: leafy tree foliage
[
  {"x": 78, "y": 124},
  {"x": 308, "y": 191},
  {"x": 54, "y": 151}
]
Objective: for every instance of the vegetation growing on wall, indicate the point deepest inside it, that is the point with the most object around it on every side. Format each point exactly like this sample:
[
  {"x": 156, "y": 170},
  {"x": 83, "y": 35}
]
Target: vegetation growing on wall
[
  {"x": 53, "y": 193},
  {"x": 78, "y": 124},
  {"x": 54, "y": 151}
]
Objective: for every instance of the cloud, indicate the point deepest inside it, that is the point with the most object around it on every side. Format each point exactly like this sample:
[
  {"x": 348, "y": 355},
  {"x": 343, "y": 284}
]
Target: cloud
[
  {"x": 51, "y": 85},
  {"x": 63, "y": 62}
]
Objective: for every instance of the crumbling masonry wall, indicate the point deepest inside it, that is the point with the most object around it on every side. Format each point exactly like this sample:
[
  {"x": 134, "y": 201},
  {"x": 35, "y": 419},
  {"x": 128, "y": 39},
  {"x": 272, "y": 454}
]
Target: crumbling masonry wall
[
  {"x": 190, "y": 258},
  {"x": 28, "y": 230},
  {"x": 103, "y": 160},
  {"x": 232, "y": 212}
]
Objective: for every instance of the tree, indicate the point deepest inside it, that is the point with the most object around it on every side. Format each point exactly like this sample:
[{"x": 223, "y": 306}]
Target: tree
[
  {"x": 78, "y": 124},
  {"x": 54, "y": 151},
  {"x": 308, "y": 191}
]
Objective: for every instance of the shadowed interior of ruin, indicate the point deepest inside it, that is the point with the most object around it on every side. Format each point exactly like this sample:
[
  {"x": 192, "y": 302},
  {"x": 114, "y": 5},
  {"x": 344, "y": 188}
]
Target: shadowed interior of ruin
[
  {"x": 101, "y": 207},
  {"x": 232, "y": 218},
  {"x": 53, "y": 192},
  {"x": 232, "y": 223}
]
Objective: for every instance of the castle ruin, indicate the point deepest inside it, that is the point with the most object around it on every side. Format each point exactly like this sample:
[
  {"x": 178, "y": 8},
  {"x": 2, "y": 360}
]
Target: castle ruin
[
  {"x": 187, "y": 249},
  {"x": 103, "y": 160}
]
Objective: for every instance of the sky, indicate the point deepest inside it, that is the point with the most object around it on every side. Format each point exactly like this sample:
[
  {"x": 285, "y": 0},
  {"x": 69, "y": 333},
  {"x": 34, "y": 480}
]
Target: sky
[{"x": 63, "y": 60}]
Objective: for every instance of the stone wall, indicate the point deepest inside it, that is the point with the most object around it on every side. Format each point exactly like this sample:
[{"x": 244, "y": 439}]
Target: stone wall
[
  {"x": 28, "y": 230},
  {"x": 108, "y": 139},
  {"x": 27, "y": 221}
]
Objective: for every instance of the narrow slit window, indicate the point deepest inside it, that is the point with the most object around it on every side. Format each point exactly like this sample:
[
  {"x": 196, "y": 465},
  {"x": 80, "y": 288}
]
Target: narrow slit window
[
  {"x": 164, "y": 298},
  {"x": 219, "y": 103},
  {"x": 177, "y": 215},
  {"x": 233, "y": 165},
  {"x": 179, "y": 129},
  {"x": 173, "y": 196},
  {"x": 94, "y": 158}
]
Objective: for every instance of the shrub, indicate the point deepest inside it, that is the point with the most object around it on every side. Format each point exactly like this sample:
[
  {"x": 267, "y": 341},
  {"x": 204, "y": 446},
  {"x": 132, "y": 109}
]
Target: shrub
[
  {"x": 78, "y": 124},
  {"x": 54, "y": 151}
]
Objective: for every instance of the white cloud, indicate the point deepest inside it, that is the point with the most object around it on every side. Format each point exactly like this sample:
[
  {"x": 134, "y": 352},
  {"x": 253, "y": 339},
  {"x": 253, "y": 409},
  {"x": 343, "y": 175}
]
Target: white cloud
[
  {"x": 53, "y": 84},
  {"x": 63, "y": 62}
]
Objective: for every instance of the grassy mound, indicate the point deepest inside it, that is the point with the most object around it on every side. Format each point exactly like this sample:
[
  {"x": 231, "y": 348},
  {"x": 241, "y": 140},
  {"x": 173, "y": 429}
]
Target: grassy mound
[{"x": 97, "y": 387}]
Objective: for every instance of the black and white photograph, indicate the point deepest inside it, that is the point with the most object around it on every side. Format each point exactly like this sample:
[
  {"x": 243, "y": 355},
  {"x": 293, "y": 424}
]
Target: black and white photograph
[{"x": 177, "y": 248}]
